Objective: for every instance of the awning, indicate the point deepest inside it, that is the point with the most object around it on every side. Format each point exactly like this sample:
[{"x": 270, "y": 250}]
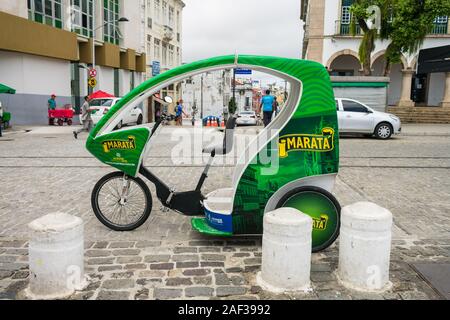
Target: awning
[
  {"x": 100, "y": 94},
  {"x": 6, "y": 89}
]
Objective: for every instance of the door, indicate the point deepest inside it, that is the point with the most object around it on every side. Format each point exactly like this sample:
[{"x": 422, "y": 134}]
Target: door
[{"x": 356, "y": 117}]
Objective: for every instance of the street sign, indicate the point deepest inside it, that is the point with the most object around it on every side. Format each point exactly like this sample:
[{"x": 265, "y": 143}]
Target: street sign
[
  {"x": 92, "y": 82},
  {"x": 92, "y": 73},
  {"x": 156, "y": 68},
  {"x": 242, "y": 71}
]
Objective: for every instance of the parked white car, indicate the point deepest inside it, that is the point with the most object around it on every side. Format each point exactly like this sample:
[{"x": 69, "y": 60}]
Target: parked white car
[
  {"x": 246, "y": 118},
  {"x": 134, "y": 116},
  {"x": 356, "y": 117}
]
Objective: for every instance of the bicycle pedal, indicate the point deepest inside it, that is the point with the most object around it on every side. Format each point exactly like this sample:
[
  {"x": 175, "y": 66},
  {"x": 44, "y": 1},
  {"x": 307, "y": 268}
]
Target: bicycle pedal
[{"x": 164, "y": 209}]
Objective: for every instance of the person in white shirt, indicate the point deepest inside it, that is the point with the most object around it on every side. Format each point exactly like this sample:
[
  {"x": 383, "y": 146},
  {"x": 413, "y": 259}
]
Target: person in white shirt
[{"x": 85, "y": 117}]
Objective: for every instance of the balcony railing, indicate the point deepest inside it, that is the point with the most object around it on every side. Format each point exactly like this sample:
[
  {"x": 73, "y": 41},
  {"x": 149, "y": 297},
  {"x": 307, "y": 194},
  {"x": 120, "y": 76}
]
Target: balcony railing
[
  {"x": 440, "y": 28},
  {"x": 344, "y": 29}
]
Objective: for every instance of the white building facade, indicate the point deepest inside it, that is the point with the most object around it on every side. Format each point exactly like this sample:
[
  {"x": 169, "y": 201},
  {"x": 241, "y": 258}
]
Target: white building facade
[
  {"x": 328, "y": 40},
  {"x": 208, "y": 93},
  {"x": 46, "y": 47}
]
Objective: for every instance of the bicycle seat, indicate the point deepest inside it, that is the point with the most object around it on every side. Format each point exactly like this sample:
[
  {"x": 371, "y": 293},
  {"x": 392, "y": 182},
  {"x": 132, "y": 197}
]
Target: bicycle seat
[{"x": 228, "y": 139}]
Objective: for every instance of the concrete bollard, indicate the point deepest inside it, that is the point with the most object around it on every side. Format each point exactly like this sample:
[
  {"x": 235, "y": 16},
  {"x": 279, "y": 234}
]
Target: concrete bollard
[
  {"x": 365, "y": 247},
  {"x": 286, "y": 251},
  {"x": 56, "y": 252}
]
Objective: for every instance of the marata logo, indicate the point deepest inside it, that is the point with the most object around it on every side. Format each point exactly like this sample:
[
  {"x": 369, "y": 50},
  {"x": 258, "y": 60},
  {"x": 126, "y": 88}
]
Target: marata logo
[
  {"x": 129, "y": 144},
  {"x": 306, "y": 142},
  {"x": 320, "y": 224}
]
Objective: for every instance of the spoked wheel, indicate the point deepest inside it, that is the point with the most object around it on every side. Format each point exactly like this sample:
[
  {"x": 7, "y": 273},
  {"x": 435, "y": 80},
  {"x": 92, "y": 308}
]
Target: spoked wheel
[
  {"x": 383, "y": 131},
  {"x": 121, "y": 202},
  {"x": 322, "y": 207}
]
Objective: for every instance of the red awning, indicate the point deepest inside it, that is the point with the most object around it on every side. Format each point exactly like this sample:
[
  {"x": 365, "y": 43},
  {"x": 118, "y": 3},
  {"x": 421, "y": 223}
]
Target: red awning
[{"x": 100, "y": 94}]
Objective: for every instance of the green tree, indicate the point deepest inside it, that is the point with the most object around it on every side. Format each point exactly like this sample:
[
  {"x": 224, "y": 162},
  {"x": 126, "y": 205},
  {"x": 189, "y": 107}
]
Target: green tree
[
  {"x": 232, "y": 106},
  {"x": 405, "y": 23}
]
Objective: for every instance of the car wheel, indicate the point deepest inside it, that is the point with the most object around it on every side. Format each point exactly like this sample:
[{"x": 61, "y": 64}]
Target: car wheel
[
  {"x": 139, "y": 120},
  {"x": 383, "y": 131},
  {"x": 120, "y": 125}
]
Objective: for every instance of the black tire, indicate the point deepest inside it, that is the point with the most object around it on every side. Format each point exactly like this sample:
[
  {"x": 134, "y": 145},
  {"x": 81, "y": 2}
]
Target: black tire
[
  {"x": 384, "y": 131},
  {"x": 60, "y": 122},
  {"x": 103, "y": 219},
  {"x": 140, "y": 120},
  {"x": 330, "y": 198},
  {"x": 69, "y": 122},
  {"x": 119, "y": 125}
]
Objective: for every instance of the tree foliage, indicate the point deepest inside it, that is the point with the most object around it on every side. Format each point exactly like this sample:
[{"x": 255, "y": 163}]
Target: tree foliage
[{"x": 405, "y": 23}]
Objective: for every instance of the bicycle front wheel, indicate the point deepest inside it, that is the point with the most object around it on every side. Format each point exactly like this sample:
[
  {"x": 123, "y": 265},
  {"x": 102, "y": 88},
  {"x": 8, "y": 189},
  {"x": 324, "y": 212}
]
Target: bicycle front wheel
[{"x": 121, "y": 202}]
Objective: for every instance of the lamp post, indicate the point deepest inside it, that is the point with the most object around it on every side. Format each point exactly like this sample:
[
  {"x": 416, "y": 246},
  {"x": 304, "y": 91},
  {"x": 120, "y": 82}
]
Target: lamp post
[{"x": 122, "y": 19}]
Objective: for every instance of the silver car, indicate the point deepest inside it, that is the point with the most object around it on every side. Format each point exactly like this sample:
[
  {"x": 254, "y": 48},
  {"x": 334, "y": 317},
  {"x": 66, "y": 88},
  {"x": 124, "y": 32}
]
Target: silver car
[
  {"x": 246, "y": 118},
  {"x": 356, "y": 117}
]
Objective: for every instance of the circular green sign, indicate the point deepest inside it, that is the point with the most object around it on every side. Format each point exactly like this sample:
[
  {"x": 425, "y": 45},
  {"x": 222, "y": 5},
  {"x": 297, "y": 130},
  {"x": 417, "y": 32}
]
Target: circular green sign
[{"x": 323, "y": 208}]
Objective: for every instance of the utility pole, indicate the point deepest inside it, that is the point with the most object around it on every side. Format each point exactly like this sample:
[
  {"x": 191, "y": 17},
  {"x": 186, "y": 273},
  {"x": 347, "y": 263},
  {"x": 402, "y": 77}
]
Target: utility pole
[
  {"x": 234, "y": 85},
  {"x": 201, "y": 98}
]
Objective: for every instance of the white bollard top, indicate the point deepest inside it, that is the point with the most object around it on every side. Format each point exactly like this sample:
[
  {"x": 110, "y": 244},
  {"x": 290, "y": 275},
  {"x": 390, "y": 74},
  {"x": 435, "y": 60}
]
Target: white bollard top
[
  {"x": 287, "y": 216},
  {"x": 55, "y": 222},
  {"x": 366, "y": 216},
  {"x": 287, "y": 222}
]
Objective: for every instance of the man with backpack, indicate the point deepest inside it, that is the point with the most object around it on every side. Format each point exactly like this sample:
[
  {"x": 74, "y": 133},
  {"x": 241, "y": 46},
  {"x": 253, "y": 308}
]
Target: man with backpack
[{"x": 267, "y": 106}]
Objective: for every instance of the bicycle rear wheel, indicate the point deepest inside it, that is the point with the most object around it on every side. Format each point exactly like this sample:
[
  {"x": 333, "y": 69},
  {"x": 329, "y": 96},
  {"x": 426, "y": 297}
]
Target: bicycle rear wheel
[{"x": 121, "y": 202}]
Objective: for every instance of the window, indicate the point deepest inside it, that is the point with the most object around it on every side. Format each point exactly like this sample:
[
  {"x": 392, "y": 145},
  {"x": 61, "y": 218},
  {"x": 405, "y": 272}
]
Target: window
[
  {"x": 164, "y": 54},
  {"x": 149, "y": 23},
  {"x": 352, "y": 106},
  {"x": 157, "y": 9},
  {"x": 346, "y": 17},
  {"x": 82, "y": 18},
  {"x": 48, "y": 12},
  {"x": 149, "y": 46},
  {"x": 171, "y": 55},
  {"x": 178, "y": 21},
  {"x": 164, "y": 12},
  {"x": 178, "y": 57},
  {"x": 111, "y": 17},
  {"x": 440, "y": 25},
  {"x": 157, "y": 50},
  {"x": 171, "y": 16}
]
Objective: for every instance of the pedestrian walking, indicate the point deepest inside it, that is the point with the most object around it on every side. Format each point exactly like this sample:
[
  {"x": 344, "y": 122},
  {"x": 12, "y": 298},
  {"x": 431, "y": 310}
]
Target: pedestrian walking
[
  {"x": 52, "y": 102},
  {"x": 85, "y": 117},
  {"x": 266, "y": 107},
  {"x": 179, "y": 113}
]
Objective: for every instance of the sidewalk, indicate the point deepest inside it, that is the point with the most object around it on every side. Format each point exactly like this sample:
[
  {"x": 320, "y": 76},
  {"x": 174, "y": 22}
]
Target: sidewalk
[{"x": 418, "y": 129}]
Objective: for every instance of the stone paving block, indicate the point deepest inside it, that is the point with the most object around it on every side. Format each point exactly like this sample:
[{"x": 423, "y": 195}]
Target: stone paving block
[
  {"x": 196, "y": 272},
  {"x": 157, "y": 258},
  {"x": 7, "y": 259},
  {"x": 187, "y": 265},
  {"x": 173, "y": 282},
  {"x": 97, "y": 253},
  {"x": 21, "y": 275},
  {"x": 135, "y": 266},
  {"x": 109, "y": 268},
  {"x": 113, "y": 295},
  {"x": 161, "y": 266},
  {"x": 205, "y": 264},
  {"x": 13, "y": 266},
  {"x": 116, "y": 284},
  {"x": 142, "y": 294},
  {"x": 185, "y": 257},
  {"x": 208, "y": 249},
  {"x": 202, "y": 280},
  {"x": 185, "y": 250},
  {"x": 100, "y": 261},
  {"x": 121, "y": 244},
  {"x": 213, "y": 257},
  {"x": 230, "y": 291},
  {"x": 147, "y": 244},
  {"x": 199, "y": 292},
  {"x": 126, "y": 252},
  {"x": 152, "y": 274},
  {"x": 122, "y": 275},
  {"x": 131, "y": 259},
  {"x": 163, "y": 294},
  {"x": 100, "y": 245},
  {"x": 252, "y": 261},
  {"x": 15, "y": 251}
]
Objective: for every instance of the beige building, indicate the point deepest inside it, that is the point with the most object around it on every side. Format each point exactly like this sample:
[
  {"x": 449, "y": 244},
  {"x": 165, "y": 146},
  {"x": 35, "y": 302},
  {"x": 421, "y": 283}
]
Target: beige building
[
  {"x": 327, "y": 39},
  {"x": 47, "y": 46},
  {"x": 163, "y": 36}
]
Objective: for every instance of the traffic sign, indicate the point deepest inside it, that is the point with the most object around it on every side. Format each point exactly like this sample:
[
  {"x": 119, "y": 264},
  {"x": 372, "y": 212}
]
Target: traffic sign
[
  {"x": 242, "y": 71},
  {"x": 156, "y": 68},
  {"x": 92, "y": 82},
  {"x": 92, "y": 73}
]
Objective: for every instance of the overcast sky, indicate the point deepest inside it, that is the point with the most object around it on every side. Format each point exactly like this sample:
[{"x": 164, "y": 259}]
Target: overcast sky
[{"x": 262, "y": 27}]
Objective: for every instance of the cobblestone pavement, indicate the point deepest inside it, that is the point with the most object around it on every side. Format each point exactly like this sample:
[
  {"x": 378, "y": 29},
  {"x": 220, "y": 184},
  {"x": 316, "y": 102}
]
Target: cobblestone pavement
[{"x": 45, "y": 171}]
